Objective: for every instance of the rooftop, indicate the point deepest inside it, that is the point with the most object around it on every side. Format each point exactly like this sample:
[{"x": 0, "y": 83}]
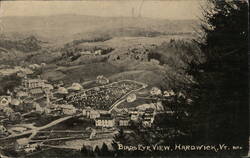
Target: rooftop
[
  {"x": 22, "y": 141},
  {"x": 34, "y": 80},
  {"x": 149, "y": 110},
  {"x": 36, "y": 91},
  {"x": 147, "y": 119},
  {"x": 105, "y": 117}
]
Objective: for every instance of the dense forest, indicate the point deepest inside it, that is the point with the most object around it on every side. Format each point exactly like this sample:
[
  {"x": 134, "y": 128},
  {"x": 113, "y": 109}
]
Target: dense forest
[{"x": 220, "y": 93}]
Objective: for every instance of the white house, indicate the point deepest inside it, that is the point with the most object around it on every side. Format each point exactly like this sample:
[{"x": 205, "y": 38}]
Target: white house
[
  {"x": 68, "y": 109},
  {"x": 42, "y": 107},
  {"x": 98, "y": 52},
  {"x": 102, "y": 80},
  {"x": 123, "y": 122},
  {"x": 22, "y": 94},
  {"x": 33, "y": 83},
  {"x": 75, "y": 87},
  {"x": 62, "y": 90},
  {"x": 21, "y": 143},
  {"x": 7, "y": 111},
  {"x": 148, "y": 117},
  {"x": 92, "y": 114},
  {"x": 131, "y": 98},
  {"x": 3, "y": 130},
  {"x": 146, "y": 122},
  {"x": 168, "y": 93},
  {"x": 105, "y": 121},
  {"x": 134, "y": 115},
  {"x": 155, "y": 91},
  {"x": 4, "y": 101}
]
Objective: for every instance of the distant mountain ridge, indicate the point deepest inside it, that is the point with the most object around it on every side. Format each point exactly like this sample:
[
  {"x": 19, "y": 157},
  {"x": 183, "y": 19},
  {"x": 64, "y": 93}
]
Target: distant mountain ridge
[{"x": 65, "y": 28}]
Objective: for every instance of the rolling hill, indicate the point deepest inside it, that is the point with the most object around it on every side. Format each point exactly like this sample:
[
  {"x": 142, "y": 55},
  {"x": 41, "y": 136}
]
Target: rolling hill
[
  {"x": 65, "y": 28},
  {"x": 62, "y": 38}
]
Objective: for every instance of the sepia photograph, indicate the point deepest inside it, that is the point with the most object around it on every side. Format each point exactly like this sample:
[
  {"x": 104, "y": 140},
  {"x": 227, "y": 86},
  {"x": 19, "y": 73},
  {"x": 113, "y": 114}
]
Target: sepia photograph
[{"x": 124, "y": 78}]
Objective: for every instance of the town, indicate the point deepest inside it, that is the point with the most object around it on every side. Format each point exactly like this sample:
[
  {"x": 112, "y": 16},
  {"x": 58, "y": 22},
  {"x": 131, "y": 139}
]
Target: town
[{"x": 33, "y": 113}]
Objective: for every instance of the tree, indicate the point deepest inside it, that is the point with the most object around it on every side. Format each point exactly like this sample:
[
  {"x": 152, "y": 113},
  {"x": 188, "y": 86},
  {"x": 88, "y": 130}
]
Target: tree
[
  {"x": 10, "y": 82},
  {"x": 119, "y": 138},
  {"x": 97, "y": 151},
  {"x": 220, "y": 89},
  {"x": 105, "y": 151},
  {"x": 84, "y": 151}
]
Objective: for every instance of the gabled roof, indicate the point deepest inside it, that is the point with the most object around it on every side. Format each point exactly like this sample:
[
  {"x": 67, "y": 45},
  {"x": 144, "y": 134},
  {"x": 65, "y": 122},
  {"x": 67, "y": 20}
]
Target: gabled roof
[
  {"x": 5, "y": 97},
  {"x": 22, "y": 141},
  {"x": 105, "y": 117},
  {"x": 147, "y": 119},
  {"x": 34, "y": 80},
  {"x": 124, "y": 119},
  {"x": 15, "y": 102},
  {"x": 122, "y": 116},
  {"x": 62, "y": 90},
  {"x": 147, "y": 116},
  {"x": 149, "y": 110},
  {"x": 21, "y": 94}
]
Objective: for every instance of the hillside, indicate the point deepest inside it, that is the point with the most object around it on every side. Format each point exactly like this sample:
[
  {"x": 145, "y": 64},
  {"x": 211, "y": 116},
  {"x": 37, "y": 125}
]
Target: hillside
[
  {"x": 77, "y": 48},
  {"x": 28, "y": 44}
]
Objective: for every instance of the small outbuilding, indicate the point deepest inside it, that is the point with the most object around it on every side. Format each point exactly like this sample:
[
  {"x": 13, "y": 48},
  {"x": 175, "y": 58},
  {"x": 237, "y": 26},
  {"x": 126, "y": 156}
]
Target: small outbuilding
[{"x": 21, "y": 143}]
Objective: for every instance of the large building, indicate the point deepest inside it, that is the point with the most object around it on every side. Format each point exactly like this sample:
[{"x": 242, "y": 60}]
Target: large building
[
  {"x": 68, "y": 109},
  {"x": 105, "y": 121},
  {"x": 33, "y": 83},
  {"x": 37, "y": 92},
  {"x": 91, "y": 113}
]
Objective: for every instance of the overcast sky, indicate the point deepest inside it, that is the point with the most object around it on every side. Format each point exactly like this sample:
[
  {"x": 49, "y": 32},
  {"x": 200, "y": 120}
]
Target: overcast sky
[{"x": 181, "y": 9}]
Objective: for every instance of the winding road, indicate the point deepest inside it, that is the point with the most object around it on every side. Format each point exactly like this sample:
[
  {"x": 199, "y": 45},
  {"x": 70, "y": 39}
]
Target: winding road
[{"x": 35, "y": 130}]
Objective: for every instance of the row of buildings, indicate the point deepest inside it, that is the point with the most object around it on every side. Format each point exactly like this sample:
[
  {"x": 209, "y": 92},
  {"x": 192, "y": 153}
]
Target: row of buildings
[
  {"x": 120, "y": 117},
  {"x": 39, "y": 89}
]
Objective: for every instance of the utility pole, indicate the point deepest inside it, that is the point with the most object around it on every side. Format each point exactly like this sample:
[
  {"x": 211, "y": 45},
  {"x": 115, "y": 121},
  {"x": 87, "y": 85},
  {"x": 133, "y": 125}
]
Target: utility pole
[
  {"x": 140, "y": 8},
  {"x": 133, "y": 12}
]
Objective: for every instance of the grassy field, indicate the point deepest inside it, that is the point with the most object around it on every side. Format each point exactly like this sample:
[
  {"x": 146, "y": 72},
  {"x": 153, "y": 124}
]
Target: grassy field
[
  {"x": 81, "y": 73},
  {"x": 130, "y": 42}
]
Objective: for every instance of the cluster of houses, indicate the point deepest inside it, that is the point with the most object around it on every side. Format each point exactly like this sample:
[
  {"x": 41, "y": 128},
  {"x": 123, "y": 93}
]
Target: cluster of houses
[
  {"x": 20, "y": 71},
  {"x": 17, "y": 69},
  {"x": 39, "y": 89},
  {"x": 88, "y": 52},
  {"x": 102, "y": 80},
  {"x": 5, "y": 109},
  {"x": 36, "y": 86},
  {"x": 41, "y": 95},
  {"x": 23, "y": 144},
  {"x": 120, "y": 117},
  {"x": 33, "y": 94}
]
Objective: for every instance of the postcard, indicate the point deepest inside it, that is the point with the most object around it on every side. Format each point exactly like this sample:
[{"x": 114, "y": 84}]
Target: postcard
[{"x": 124, "y": 78}]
